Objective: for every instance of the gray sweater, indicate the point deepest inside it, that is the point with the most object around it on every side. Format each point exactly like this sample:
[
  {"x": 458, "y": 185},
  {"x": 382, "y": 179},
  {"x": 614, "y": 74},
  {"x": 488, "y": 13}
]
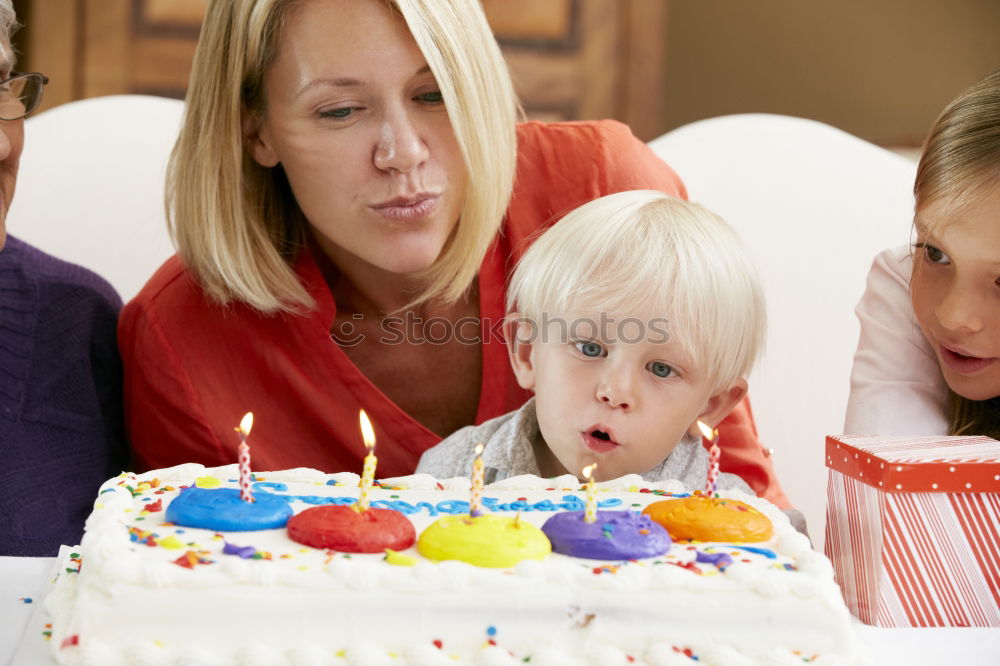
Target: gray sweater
[{"x": 508, "y": 452}]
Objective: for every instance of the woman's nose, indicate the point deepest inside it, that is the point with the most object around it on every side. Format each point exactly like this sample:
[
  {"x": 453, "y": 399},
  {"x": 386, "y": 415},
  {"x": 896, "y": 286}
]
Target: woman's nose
[
  {"x": 400, "y": 146},
  {"x": 960, "y": 309}
]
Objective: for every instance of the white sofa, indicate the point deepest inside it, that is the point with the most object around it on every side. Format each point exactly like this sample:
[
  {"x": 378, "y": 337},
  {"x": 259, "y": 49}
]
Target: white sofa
[{"x": 814, "y": 205}]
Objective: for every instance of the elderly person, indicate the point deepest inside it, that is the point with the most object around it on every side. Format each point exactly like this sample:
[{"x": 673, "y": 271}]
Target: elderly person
[
  {"x": 349, "y": 194},
  {"x": 61, "y": 431}
]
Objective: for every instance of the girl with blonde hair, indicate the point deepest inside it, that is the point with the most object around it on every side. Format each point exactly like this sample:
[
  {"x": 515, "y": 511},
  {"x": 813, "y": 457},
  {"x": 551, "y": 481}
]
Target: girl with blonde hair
[
  {"x": 928, "y": 361},
  {"x": 348, "y": 192}
]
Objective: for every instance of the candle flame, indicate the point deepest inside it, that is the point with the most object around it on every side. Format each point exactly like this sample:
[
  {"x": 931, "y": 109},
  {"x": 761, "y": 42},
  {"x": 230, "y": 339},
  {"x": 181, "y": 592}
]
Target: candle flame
[
  {"x": 588, "y": 471},
  {"x": 246, "y": 424},
  {"x": 367, "y": 432},
  {"x": 479, "y": 449},
  {"x": 705, "y": 430}
]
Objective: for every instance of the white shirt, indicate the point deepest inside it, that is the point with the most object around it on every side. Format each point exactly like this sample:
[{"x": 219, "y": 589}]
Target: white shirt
[{"x": 896, "y": 382}]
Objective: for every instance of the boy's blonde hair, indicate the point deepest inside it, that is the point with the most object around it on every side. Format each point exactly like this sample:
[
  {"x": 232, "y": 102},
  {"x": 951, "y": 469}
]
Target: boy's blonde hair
[
  {"x": 646, "y": 250},
  {"x": 959, "y": 162},
  {"x": 236, "y": 224}
]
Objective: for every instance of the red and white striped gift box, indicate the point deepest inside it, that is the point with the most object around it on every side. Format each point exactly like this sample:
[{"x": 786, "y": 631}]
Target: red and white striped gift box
[{"x": 913, "y": 529}]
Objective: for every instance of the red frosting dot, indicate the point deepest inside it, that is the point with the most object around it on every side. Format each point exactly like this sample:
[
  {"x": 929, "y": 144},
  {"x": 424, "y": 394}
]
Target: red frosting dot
[
  {"x": 438, "y": 644},
  {"x": 343, "y": 529}
]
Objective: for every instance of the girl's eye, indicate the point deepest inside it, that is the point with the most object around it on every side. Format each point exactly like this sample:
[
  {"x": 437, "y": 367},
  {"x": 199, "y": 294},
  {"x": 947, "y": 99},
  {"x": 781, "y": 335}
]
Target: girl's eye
[
  {"x": 590, "y": 349},
  {"x": 660, "y": 369},
  {"x": 340, "y": 114},
  {"x": 434, "y": 97},
  {"x": 932, "y": 254}
]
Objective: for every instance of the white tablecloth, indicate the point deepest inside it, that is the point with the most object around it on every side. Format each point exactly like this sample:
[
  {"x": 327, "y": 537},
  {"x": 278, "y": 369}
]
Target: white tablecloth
[{"x": 24, "y": 578}]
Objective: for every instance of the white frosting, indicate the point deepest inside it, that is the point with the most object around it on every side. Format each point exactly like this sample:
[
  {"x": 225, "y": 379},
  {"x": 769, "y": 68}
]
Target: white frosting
[{"x": 131, "y": 603}]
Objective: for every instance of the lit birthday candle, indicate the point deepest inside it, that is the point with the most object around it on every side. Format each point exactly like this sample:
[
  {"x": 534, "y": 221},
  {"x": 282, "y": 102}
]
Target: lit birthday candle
[
  {"x": 244, "y": 457},
  {"x": 477, "y": 482},
  {"x": 590, "y": 514},
  {"x": 368, "y": 473},
  {"x": 713, "y": 457}
]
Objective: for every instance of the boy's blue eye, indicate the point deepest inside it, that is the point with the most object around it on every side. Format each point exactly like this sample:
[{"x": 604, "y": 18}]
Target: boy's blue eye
[
  {"x": 660, "y": 369},
  {"x": 590, "y": 349}
]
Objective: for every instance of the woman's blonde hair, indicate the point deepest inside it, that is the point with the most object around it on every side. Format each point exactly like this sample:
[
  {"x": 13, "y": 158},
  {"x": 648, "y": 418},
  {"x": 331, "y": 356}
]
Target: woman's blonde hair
[
  {"x": 236, "y": 224},
  {"x": 961, "y": 160},
  {"x": 646, "y": 251}
]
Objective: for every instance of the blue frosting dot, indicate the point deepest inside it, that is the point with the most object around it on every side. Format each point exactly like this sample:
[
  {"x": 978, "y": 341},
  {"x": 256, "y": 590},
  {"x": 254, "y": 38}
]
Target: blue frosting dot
[{"x": 491, "y": 631}]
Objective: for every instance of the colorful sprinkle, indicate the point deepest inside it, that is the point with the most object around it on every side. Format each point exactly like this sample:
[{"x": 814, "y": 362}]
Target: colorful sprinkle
[
  {"x": 398, "y": 559},
  {"x": 171, "y": 543},
  {"x": 207, "y": 482}
]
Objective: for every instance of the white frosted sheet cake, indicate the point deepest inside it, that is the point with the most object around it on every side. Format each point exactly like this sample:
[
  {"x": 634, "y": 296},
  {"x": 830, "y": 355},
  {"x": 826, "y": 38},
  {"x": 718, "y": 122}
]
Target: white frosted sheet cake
[{"x": 144, "y": 591}]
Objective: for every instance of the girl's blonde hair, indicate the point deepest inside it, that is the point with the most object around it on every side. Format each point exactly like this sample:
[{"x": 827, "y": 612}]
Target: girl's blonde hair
[
  {"x": 646, "y": 251},
  {"x": 959, "y": 161},
  {"x": 236, "y": 224}
]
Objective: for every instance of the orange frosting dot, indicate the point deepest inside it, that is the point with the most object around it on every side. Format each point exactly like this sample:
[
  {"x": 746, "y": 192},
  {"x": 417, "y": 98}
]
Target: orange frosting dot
[{"x": 701, "y": 518}]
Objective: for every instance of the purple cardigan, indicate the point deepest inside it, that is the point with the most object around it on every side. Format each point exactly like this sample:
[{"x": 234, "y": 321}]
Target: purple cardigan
[{"x": 61, "y": 431}]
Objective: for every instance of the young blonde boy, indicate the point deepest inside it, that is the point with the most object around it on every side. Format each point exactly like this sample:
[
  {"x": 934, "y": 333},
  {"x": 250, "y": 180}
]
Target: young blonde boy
[{"x": 631, "y": 319}]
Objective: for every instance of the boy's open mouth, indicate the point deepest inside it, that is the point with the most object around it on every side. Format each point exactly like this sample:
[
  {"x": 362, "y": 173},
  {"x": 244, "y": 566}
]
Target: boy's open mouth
[{"x": 599, "y": 440}]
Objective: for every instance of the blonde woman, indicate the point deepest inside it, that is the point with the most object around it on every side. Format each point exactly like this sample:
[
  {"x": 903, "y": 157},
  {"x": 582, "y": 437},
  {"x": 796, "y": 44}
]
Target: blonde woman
[
  {"x": 928, "y": 361},
  {"x": 348, "y": 194}
]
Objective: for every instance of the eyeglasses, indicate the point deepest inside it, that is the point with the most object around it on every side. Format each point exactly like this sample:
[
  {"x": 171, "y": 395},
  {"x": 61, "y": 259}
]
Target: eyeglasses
[{"x": 21, "y": 94}]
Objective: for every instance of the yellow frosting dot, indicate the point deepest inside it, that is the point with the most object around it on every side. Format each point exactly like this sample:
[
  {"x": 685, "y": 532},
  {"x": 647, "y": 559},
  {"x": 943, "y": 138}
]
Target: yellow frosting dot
[
  {"x": 99, "y": 505},
  {"x": 142, "y": 487},
  {"x": 483, "y": 541},
  {"x": 302, "y": 567},
  {"x": 397, "y": 558},
  {"x": 341, "y": 653},
  {"x": 170, "y": 543},
  {"x": 207, "y": 482}
]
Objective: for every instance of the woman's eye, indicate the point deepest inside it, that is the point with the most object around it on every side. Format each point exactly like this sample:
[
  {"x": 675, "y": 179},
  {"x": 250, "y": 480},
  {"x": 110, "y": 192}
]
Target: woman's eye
[
  {"x": 933, "y": 255},
  {"x": 660, "y": 369},
  {"x": 434, "y": 97},
  {"x": 590, "y": 349},
  {"x": 340, "y": 113}
]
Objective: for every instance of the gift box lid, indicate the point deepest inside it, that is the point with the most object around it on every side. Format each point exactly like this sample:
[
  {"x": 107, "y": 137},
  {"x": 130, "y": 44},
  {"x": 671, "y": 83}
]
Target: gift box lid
[{"x": 933, "y": 464}]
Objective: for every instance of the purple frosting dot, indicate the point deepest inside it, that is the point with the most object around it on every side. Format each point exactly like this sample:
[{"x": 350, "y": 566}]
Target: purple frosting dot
[
  {"x": 615, "y": 535},
  {"x": 246, "y": 552}
]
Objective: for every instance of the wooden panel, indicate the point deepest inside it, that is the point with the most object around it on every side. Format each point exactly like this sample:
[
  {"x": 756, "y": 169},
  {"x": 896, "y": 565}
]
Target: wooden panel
[
  {"x": 644, "y": 67},
  {"x": 162, "y": 65},
  {"x": 106, "y": 25},
  {"x": 54, "y": 51},
  {"x": 599, "y": 60},
  {"x": 530, "y": 19},
  {"x": 173, "y": 12},
  {"x": 545, "y": 80}
]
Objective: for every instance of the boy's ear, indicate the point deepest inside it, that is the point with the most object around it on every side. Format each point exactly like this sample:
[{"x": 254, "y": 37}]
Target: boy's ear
[
  {"x": 259, "y": 141},
  {"x": 719, "y": 405},
  {"x": 520, "y": 333}
]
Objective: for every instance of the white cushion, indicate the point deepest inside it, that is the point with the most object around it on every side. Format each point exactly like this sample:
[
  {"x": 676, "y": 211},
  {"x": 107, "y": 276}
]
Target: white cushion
[
  {"x": 814, "y": 205},
  {"x": 90, "y": 185}
]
